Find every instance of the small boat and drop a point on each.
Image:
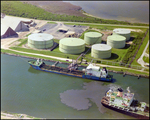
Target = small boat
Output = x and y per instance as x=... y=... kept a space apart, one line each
x=125 y=103
x=91 y=72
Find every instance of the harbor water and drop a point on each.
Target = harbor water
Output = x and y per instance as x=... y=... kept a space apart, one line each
x=132 y=11
x=48 y=95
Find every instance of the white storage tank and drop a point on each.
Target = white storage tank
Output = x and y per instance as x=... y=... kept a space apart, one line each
x=116 y=41
x=72 y=45
x=123 y=32
x=91 y=38
x=40 y=40
x=101 y=51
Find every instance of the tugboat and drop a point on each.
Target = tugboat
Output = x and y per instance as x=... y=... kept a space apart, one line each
x=125 y=103
x=91 y=72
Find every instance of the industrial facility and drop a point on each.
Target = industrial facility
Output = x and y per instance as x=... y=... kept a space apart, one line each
x=101 y=51
x=91 y=38
x=116 y=41
x=122 y=32
x=72 y=45
x=40 y=40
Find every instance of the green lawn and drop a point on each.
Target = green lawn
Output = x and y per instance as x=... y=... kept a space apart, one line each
x=147 y=51
x=106 y=27
x=141 y=49
x=146 y=59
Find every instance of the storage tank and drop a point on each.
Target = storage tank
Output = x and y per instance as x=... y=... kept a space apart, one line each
x=72 y=45
x=40 y=40
x=91 y=38
x=123 y=32
x=116 y=41
x=101 y=51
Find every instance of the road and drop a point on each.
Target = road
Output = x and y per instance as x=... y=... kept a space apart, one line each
x=140 y=60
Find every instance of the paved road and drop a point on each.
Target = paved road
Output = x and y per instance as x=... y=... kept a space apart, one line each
x=140 y=60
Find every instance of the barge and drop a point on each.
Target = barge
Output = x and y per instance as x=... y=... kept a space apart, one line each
x=91 y=72
x=125 y=103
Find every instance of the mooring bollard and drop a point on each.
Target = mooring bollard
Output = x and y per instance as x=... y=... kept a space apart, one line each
x=139 y=76
x=124 y=74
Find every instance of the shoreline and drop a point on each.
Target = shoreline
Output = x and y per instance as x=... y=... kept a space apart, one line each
x=11 y=115
x=118 y=72
x=90 y=15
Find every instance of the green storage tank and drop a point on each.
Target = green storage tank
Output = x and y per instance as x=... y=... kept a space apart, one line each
x=116 y=41
x=122 y=32
x=40 y=40
x=91 y=38
x=101 y=51
x=72 y=45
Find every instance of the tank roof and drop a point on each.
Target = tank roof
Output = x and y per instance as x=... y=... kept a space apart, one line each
x=116 y=38
x=121 y=31
x=101 y=47
x=93 y=34
x=72 y=41
x=40 y=37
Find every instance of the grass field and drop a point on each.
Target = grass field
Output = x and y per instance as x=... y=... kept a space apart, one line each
x=147 y=51
x=146 y=59
x=141 y=49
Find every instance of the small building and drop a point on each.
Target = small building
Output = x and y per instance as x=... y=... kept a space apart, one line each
x=62 y=30
x=70 y=34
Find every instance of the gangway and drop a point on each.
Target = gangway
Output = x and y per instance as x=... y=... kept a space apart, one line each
x=55 y=63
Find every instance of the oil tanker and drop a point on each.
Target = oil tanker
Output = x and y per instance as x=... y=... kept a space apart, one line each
x=125 y=103
x=91 y=72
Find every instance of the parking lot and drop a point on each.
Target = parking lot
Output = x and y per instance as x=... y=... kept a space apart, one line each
x=53 y=29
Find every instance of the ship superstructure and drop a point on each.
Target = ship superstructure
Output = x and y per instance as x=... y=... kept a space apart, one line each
x=124 y=102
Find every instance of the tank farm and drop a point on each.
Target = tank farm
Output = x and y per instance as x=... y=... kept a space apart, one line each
x=71 y=45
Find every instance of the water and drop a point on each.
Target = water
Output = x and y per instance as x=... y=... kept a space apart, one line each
x=47 y=95
x=133 y=11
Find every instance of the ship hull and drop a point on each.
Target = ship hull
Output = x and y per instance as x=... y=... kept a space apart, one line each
x=69 y=74
x=133 y=114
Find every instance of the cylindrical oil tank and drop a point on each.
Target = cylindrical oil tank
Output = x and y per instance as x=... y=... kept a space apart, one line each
x=91 y=38
x=101 y=51
x=72 y=45
x=40 y=40
x=123 y=32
x=116 y=41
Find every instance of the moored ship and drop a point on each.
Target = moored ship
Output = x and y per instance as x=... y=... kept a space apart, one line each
x=91 y=72
x=125 y=103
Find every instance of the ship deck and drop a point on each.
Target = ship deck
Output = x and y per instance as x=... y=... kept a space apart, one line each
x=106 y=100
x=62 y=70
